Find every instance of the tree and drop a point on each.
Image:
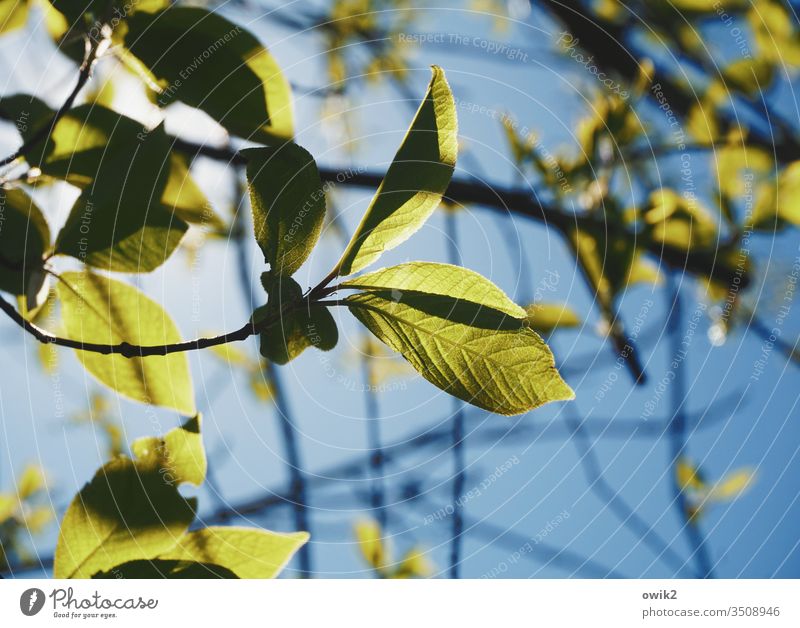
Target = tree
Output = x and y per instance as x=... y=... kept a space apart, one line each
x=627 y=204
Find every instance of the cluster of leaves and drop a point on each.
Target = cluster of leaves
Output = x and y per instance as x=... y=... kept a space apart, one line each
x=137 y=198
x=131 y=521
x=136 y=201
x=353 y=21
x=24 y=512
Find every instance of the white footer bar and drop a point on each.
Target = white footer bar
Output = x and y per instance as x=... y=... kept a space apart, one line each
x=386 y=604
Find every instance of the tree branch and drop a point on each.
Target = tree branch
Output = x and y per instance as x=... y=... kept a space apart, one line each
x=519 y=201
x=93 y=52
x=126 y=349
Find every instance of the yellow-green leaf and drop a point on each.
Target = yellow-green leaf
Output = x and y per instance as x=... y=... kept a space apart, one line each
x=415 y=182
x=119 y=222
x=247 y=552
x=24 y=239
x=297 y=329
x=132 y=509
x=13 y=15
x=288 y=202
x=205 y=61
x=545 y=317
x=442 y=279
x=732 y=485
x=32 y=481
x=476 y=354
x=370 y=543
x=101 y=310
x=680 y=222
x=185 y=199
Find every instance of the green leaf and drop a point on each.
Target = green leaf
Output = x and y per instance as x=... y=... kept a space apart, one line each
x=132 y=509
x=294 y=330
x=414 y=183
x=779 y=199
x=441 y=279
x=102 y=310
x=545 y=317
x=26 y=112
x=205 y=61
x=24 y=239
x=288 y=202
x=13 y=15
x=247 y=552
x=679 y=222
x=183 y=197
x=119 y=222
x=168 y=569
x=82 y=140
x=478 y=354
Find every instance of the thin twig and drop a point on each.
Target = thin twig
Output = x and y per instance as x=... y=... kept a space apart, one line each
x=127 y=349
x=92 y=53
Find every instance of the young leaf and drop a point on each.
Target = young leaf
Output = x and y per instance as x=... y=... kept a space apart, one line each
x=441 y=279
x=119 y=223
x=24 y=239
x=247 y=552
x=99 y=309
x=288 y=202
x=370 y=541
x=679 y=222
x=205 y=61
x=545 y=317
x=297 y=329
x=414 y=183
x=132 y=510
x=475 y=353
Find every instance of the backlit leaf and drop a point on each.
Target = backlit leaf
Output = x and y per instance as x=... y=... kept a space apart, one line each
x=415 y=182
x=545 y=317
x=479 y=355
x=102 y=310
x=24 y=239
x=297 y=329
x=205 y=61
x=370 y=543
x=288 y=202
x=732 y=485
x=442 y=279
x=166 y=569
x=119 y=222
x=132 y=510
x=13 y=15
x=247 y=552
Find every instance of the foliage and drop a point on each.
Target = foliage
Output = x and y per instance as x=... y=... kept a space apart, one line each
x=132 y=521
x=377 y=553
x=135 y=199
x=24 y=512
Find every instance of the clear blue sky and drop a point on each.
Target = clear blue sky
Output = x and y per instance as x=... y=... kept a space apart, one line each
x=542 y=480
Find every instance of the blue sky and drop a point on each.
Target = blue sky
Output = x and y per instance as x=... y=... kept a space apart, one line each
x=542 y=494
